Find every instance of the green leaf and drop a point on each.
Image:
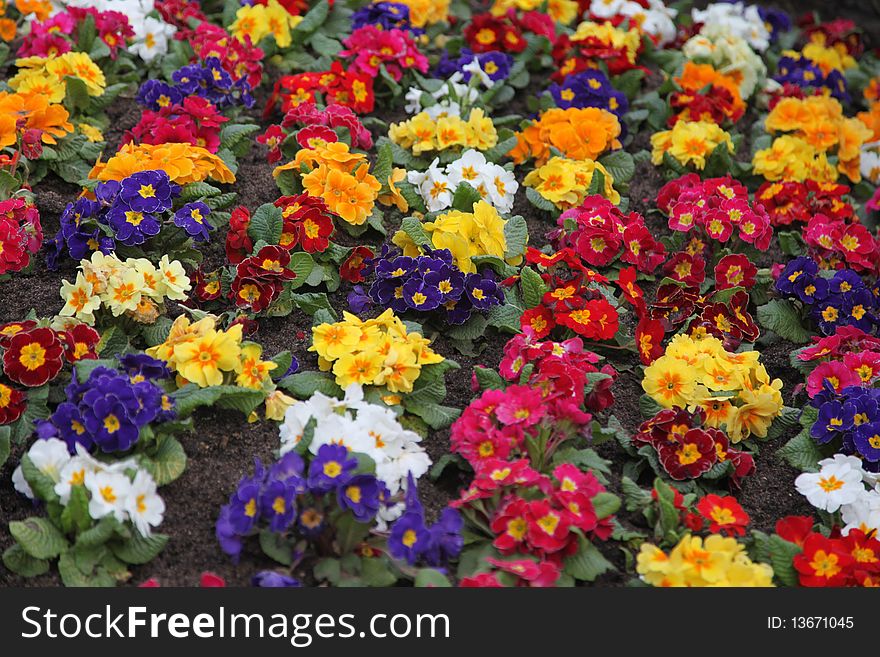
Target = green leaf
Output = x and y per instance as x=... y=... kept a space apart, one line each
x=535 y=198
x=191 y=397
x=72 y=575
x=301 y=264
x=384 y=163
x=435 y=416
x=465 y=197
x=781 y=317
x=328 y=570
x=488 y=378
x=801 y=452
x=635 y=497
x=606 y=504
x=99 y=534
x=587 y=563
x=791 y=243
x=276 y=546
x=620 y=165
x=303 y=385
x=198 y=190
x=38 y=537
x=413 y=227
x=311 y=302
x=21 y=563
x=375 y=572
x=266 y=224
x=139 y=549
x=597 y=183
x=533 y=287
x=5 y=446
x=516 y=235
x=41 y=484
x=782 y=554
x=157 y=332
x=429 y=577
x=75 y=516
x=166 y=462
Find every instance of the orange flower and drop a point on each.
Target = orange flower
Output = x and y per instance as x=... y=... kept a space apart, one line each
x=184 y=163
x=696 y=76
x=39 y=8
x=42 y=115
x=579 y=134
x=393 y=196
x=7 y=29
x=871 y=118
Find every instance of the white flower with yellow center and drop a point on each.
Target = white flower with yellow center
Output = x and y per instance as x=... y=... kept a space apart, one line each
x=108 y=492
x=144 y=506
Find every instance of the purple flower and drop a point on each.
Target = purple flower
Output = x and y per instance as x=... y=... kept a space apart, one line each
x=278 y=505
x=147 y=191
x=71 y=427
x=193 y=218
x=156 y=94
x=132 y=227
x=446 y=538
x=141 y=367
x=270 y=579
x=331 y=467
x=244 y=503
x=360 y=495
x=420 y=296
x=482 y=291
x=385 y=15
x=448 y=281
x=867 y=441
x=409 y=538
x=227 y=535
x=310 y=522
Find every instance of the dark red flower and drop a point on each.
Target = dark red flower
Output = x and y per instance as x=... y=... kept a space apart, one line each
x=12 y=404
x=33 y=357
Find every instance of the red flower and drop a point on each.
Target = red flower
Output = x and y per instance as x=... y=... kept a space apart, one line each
x=481 y=580
x=688 y=456
x=694 y=522
x=686 y=268
x=511 y=525
x=649 y=339
x=305 y=136
x=12 y=404
x=596 y=319
x=34 y=357
x=539 y=320
x=823 y=562
x=207 y=286
x=724 y=514
x=548 y=527
x=540 y=574
x=626 y=281
x=735 y=270
x=10 y=329
x=80 y=343
x=238 y=242
x=352 y=268
x=272 y=139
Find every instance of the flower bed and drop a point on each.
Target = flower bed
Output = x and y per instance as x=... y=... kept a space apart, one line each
x=438 y=293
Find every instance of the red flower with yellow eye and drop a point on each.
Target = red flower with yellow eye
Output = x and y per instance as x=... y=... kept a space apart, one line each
x=33 y=357
x=80 y=343
x=10 y=329
x=626 y=281
x=735 y=270
x=595 y=319
x=207 y=285
x=688 y=456
x=649 y=339
x=12 y=404
x=725 y=515
x=352 y=269
x=688 y=269
x=539 y=320
x=823 y=562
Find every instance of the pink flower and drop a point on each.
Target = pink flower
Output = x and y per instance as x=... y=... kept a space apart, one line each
x=522 y=405
x=836 y=373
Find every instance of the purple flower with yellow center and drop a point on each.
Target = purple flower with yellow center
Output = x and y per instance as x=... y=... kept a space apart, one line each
x=834 y=419
x=132 y=227
x=106 y=192
x=866 y=439
x=71 y=427
x=798 y=274
x=141 y=367
x=156 y=94
x=420 y=296
x=147 y=192
x=331 y=467
x=409 y=538
x=458 y=312
x=244 y=503
x=482 y=291
x=395 y=267
x=448 y=281
x=360 y=495
x=278 y=505
x=193 y=218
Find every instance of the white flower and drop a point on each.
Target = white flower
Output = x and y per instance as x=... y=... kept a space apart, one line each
x=413 y=99
x=108 y=491
x=869 y=163
x=436 y=189
x=468 y=168
x=473 y=67
x=144 y=506
x=836 y=484
x=863 y=514
x=49 y=457
x=502 y=187
x=151 y=38
x=443 y=109
x=606 y=8
x=734 y=18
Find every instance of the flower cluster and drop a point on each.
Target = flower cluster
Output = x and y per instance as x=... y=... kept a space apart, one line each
x=108 y=409
x=790 y=201
x=486 y=67
x=21 y=234
x=600 y=233
x=32 y=118
x=834 y=243
x=133 y=287
x=798 y=70
x=496 y=184
x=688 y=447
x=842 y=300
x=689 y=143
x=241 y=58
x=33 y=354
x=55 y=36
x=590 y=88
x=714 y=561
x=338 y=85
x=361 y=428
x=423 y=134
x=705 y=95
x=308 y=125
x=576 y=133
x=425 y=284
x=716 y=208
x=592 y=42
x=182 y=163
x=728 y=52
x=506 y=33
x=256 y=21
x=121 y=489
x=465 y=235
x=194 y=120
x=733 y=390
x=651 y=17
x=379 y=351
x=567 y=183
x=393 y=50
x=815 y=128
x=49 y=73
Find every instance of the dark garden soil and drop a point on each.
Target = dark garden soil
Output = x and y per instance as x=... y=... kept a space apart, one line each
x=223 y=447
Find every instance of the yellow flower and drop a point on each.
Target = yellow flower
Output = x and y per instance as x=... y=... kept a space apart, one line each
x=757 y=413
x=80 y=300
x=182 y=332
x=253 y=372
x=669 y=382
x=714 y=561
x=92 y=133
x=332 y=341
x=184 y=163
x=78 y=65
x=565 y=182
x=277 y=404
x=361 y=368
x=173 y=283
x=421 y=133
x=203 y=360
x=689 y=142
x=426 y=12
x=124 y=292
